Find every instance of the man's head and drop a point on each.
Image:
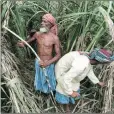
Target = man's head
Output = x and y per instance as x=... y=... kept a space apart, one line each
x=101 y=56
x=48 y=24
x=45 y=26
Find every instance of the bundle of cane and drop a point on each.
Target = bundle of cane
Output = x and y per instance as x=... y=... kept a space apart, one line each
x=22 y=100
x=108 y=97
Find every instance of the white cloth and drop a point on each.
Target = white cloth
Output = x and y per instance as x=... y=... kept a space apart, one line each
x=70 y=70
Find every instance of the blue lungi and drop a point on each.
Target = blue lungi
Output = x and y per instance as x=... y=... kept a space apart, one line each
x=63 y=99
x=40 y=82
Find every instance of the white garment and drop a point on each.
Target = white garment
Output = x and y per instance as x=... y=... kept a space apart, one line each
x=70 y=70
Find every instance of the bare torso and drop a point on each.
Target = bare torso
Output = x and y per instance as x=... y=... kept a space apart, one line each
x=45 y=43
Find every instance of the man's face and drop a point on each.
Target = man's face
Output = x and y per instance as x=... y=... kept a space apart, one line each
x=45 y=26
x=46 y=23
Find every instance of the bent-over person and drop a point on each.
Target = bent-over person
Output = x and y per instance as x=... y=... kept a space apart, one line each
x=72 y=68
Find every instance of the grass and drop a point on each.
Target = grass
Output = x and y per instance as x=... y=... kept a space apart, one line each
x=83 y=25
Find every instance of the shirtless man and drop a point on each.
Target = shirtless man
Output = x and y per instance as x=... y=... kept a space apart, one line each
x=47 y=41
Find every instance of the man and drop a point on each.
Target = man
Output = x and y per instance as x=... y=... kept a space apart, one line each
x=47 y=41
x=74 y=67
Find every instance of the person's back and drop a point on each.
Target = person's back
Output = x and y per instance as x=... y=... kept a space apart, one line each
x=69 y=60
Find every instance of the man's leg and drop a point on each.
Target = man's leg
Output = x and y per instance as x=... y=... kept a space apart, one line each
x=67 y=108
x=63 y=100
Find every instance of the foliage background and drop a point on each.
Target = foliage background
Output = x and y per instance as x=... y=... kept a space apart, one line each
x=83 y=25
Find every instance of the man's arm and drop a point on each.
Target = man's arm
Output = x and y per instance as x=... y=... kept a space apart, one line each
x=57 y=51
x=93 y=78
x=22 y=44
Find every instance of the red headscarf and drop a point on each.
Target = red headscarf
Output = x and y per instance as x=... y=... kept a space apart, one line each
x=52 y=20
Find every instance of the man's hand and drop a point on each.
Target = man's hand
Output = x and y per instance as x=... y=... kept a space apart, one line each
x=43 y=63
x=75 y=94
x=21 y=44
x=101 y=84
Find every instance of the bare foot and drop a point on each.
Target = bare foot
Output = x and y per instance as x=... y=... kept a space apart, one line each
x=68 y=112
